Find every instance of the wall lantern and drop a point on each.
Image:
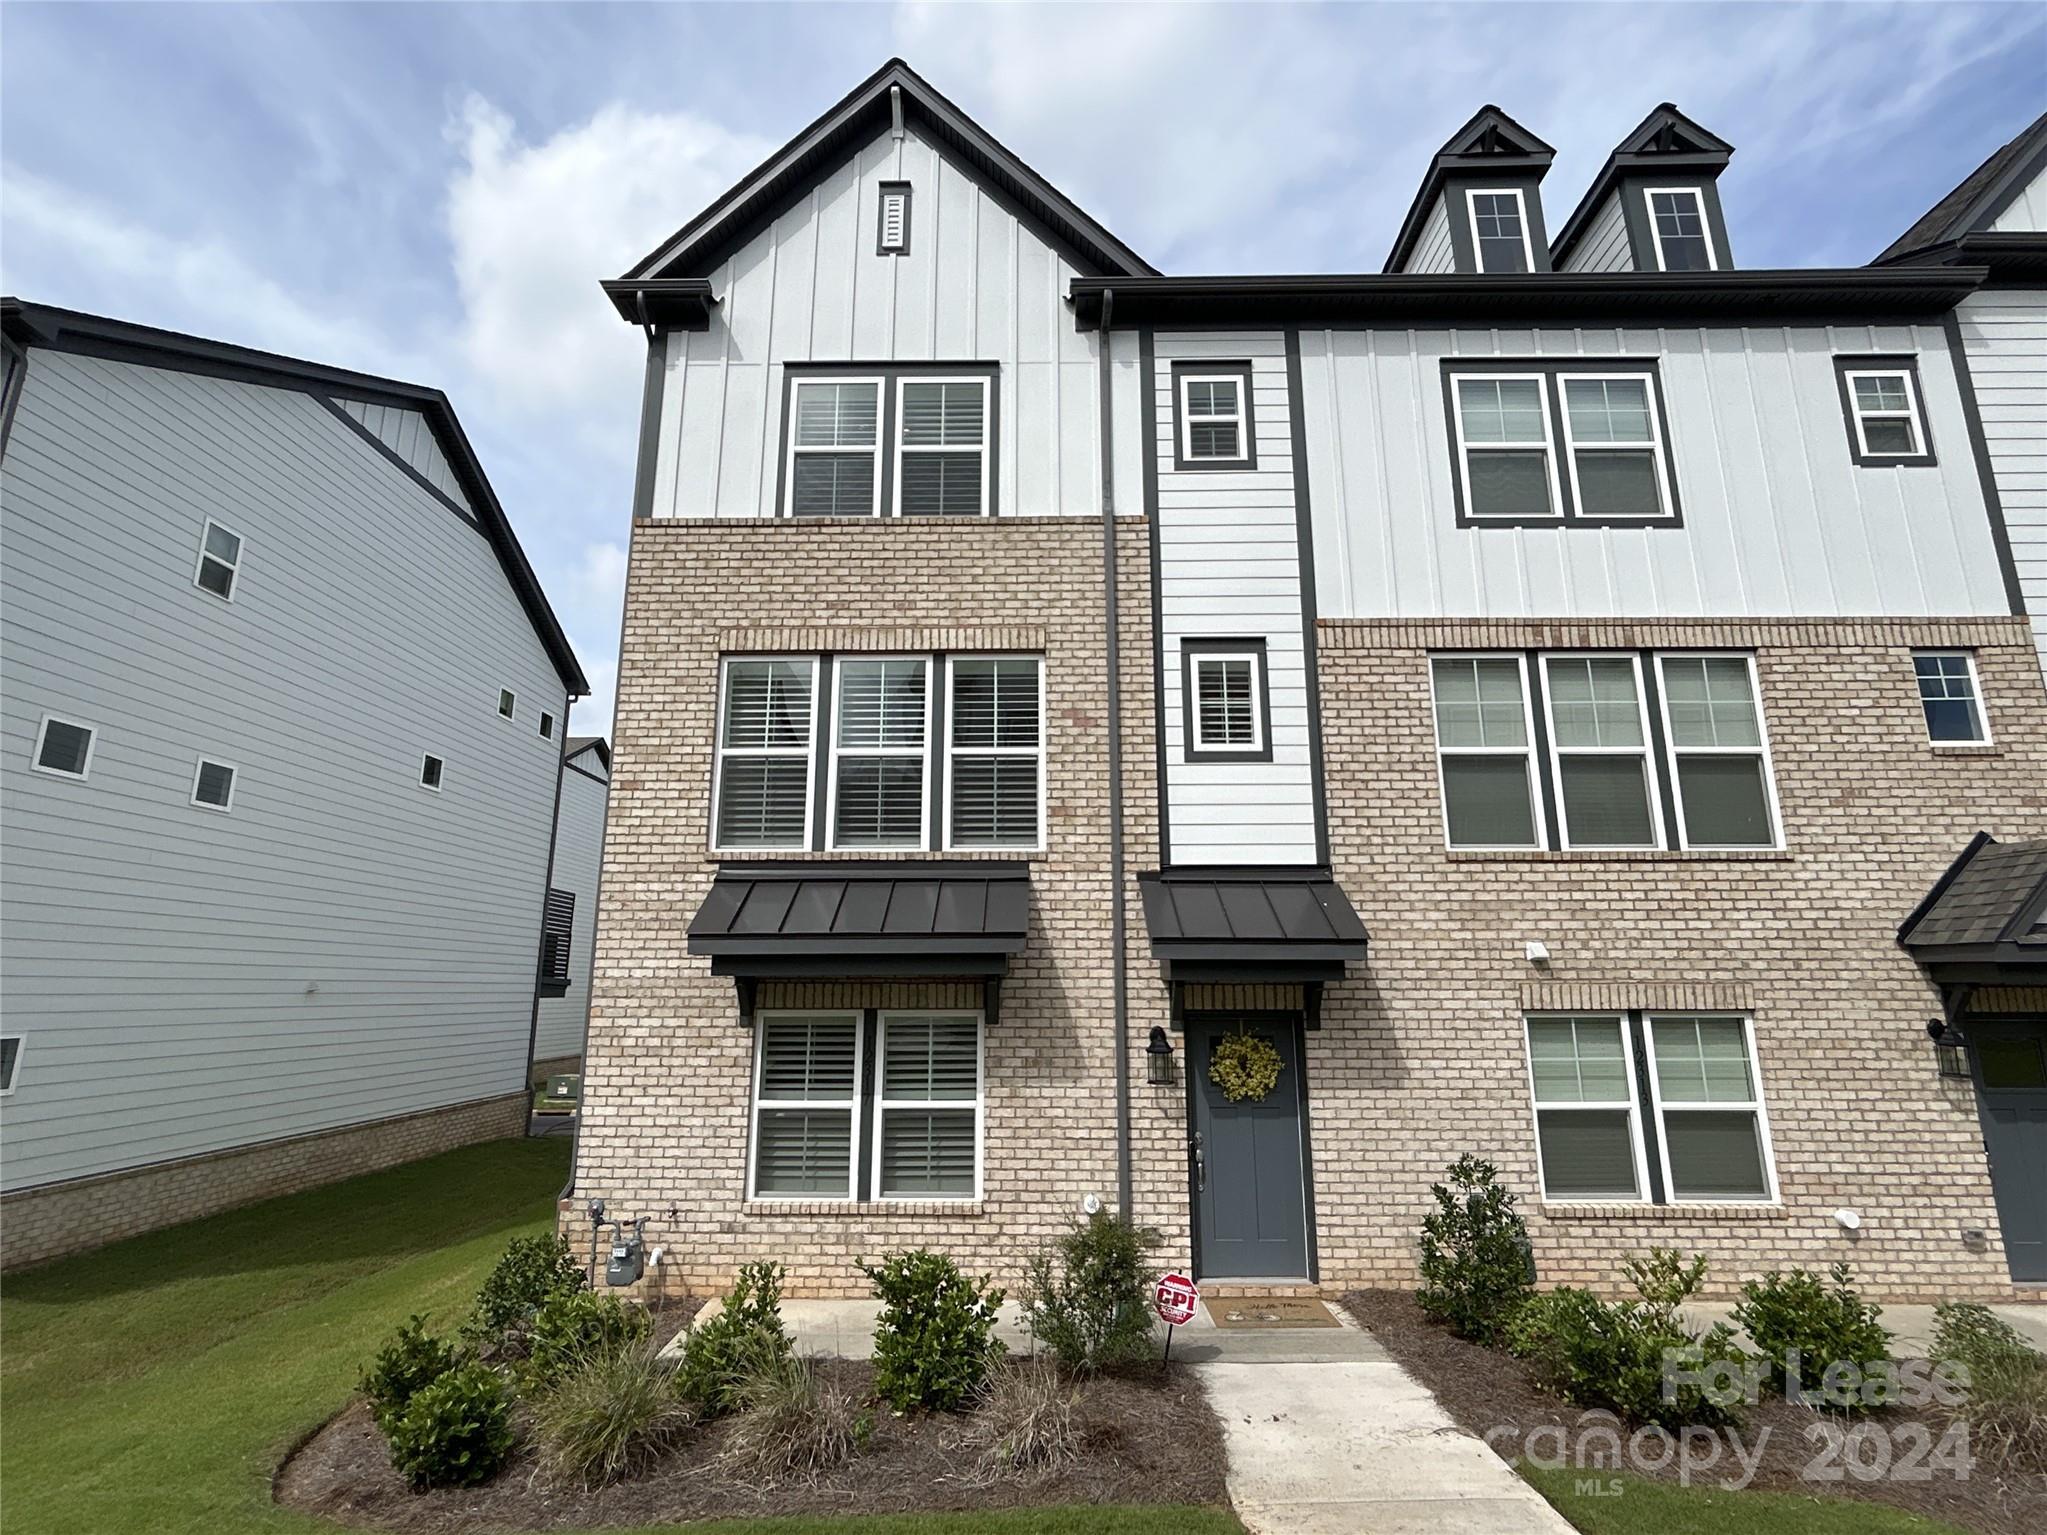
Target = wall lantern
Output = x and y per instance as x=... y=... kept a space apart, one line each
x=1950 y=1049
x=1158 y=1059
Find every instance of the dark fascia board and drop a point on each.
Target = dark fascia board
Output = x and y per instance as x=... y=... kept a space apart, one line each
x=1192 y=968
x=846 y=965
x=68 y=330
x=864 y=110
x=595 y=744
x=1707 y=161
x=874 y=869
x=2018 y=258
x=1977 y=843
x=1462 y=299
x=665 y=303
x=1531 y=155
x=2023 y=157
x=828 y=945
x=1223 y=951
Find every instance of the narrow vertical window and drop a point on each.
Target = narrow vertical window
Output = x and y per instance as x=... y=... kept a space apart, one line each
x=879 y=734
x=942 y=454
x=893 y=238
x=557 y=933
x=834 y=448
x=1499 y=232
x=64 y=748
x=430 y=770
x=1599 y=743
x=220 y=561
x=995 y=760
x=928 y=1116
x=1719 y=757
x=1949 y=697
x=1615 y=447
x=213 y=785
x=1677 y=223
x=1503 y=446
x=1886 y=418
x=1709 y=1108
x=764 y=753
x=806 y=1103
x=1483 y=752
x=10 y=1061
x=1214 y=418
x=1226 y=703
x=1587 y=1138
x=547 y=726
x=508 y=703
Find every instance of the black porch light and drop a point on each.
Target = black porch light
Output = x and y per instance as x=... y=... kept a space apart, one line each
x=1158 y=1059
x=1950 y=1049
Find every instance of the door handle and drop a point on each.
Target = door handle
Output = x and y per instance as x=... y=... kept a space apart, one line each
x=1200 y=1163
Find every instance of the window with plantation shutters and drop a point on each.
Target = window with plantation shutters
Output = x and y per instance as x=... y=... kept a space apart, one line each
x=1226 y=703
x=806 y=1105
x=880 y=734
x=942 y=447
x=1215 y=418
x=764 y=753
x=928 y=1114
x=834 y=465
x=996 y=752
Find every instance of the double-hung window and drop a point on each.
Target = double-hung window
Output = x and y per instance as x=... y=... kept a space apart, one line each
x=927 y=1132
x=1507 y=418
x=1886 y=418
x=942 y=447
x=1712 y=1131
x=1214 y=416
x=995 y=759
x=806 y=1105
x=834 y=467
x=1599 y=750
x=764 y=753
x=1484 y=751
x=1719 y=754
x=1613 y=444
x=890 y=438
x=1504 y=449
x=1949 y=697
x=880 y=733
x=1587 y=1136
x=220 y=560
x=1677 y=226
x=1499 y=231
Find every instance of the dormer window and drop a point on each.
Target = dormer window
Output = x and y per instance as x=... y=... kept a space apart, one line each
x=1499 y=231
x=1677 y=224
x=894 y=237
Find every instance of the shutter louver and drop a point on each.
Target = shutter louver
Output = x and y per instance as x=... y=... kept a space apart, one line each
x=809 y=1073
x=837 y=430
x=557 y=926
x=879 y=801
x=894 y=237
x=943 y=435
x=764 y=773
x=929 y=1152
x=996 y=740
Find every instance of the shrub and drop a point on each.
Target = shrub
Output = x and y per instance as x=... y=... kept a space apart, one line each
x=1976 y=1338
x=1826 y=1324
x=1030 y=1420
x=1086 y=1298
x=2007 y=1386
x=746 y=1330
x=457 y=1431
x=532 y=1271
x=935 y=1338
x=576 y=1326
x=1476 y=1268
x=612 y=1416
x=795 y=1418
x=413 y=1359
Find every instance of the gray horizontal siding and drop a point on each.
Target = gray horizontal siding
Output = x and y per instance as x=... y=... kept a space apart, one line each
x=2004 y=335
x=1604 y=245
x=406 y=433
x=1433 y=251
x=578 y=851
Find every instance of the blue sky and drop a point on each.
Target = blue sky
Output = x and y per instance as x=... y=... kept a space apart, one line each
x=433 y=191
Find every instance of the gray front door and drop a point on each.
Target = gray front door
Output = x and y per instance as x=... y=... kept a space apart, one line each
x=2011 y=1084
x=1250 y=1195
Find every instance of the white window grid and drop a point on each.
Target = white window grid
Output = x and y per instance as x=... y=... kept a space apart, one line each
x=234 y=783
x=1526 y=752
x=1637 y=1155
x=92 y=744
x=1240 y=385
x=1248 y=659
x=1652 y=782
x=1755 y=1103
x=1649 y=196
x=1762 y=749
x=1909 y=413
x=883 y=1104
x=921 y=752
x=808 y=750
x=980 y=382
x=233 y=566
x=796 y=450
x=1471 y=198
x=952 y=751
x=1466 y=448
x=1974 y=695
x=1653 y=444
x=762 y=1020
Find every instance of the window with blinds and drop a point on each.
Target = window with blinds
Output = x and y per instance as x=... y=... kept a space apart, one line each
x=1709 y=1109
x=1226 y=703
x=928 y=1130
x=1585 y=1127
x=1722 y=769
x=996 y=743
x=942 y=448
x=764 y=753
x=1599 y=748
x=835 y=447
x=1214 y=418
x=879 y=756
x=806 y=1105
x=1484 y=751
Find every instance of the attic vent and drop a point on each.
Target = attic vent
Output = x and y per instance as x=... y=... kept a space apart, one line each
x=894 y=239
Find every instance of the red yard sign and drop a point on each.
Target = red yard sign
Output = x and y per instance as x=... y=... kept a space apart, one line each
x=1175 y=1299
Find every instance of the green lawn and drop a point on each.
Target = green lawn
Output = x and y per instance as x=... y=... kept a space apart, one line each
x=1643 y=1507
x=152 y=1387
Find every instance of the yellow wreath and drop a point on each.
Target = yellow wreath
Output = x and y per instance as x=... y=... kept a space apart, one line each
x=1244 y=1066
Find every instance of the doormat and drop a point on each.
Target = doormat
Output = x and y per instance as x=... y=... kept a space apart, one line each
x=1252 y=1311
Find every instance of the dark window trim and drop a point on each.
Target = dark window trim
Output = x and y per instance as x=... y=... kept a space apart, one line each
x=1190 y=651
x=885 y=445
x=1239 y=369
x=881 y=245
x=1550 y=370
x=1633 y=192
x=1846 y=363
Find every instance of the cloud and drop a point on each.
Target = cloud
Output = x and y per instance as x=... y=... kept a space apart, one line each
x=600 y=579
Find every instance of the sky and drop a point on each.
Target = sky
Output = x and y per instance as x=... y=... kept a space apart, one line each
x=431 y=192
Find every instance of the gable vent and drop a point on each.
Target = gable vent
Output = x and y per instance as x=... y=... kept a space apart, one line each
x=894 y=239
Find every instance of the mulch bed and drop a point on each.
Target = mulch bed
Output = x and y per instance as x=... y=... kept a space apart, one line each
x=910 y=1465
x=1490 y=1393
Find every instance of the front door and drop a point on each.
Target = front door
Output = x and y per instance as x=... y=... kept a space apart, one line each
x=1250 y=1192
x=2011 y=1083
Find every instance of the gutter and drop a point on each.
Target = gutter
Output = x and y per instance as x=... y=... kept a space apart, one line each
x=1119 y=968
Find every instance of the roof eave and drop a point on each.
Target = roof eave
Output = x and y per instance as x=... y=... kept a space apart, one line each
x=666 y=303
x=1618 y=166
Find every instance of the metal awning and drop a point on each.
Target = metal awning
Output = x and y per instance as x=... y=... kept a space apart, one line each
x=1985 y=920
x=1256 y=924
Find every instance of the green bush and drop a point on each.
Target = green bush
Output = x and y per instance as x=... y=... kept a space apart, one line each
x=2007 y=1409
x=532 y=1272
x=413 y=1359
x=612 y=1416
x=1976 y=1338
x=575 y=1326
x=1828 y=1326
x=1476 y=1268
x=935 y=1338
x=1087 y=1299
x=796 y=1416
x=456 y=1432
x=745 y=1334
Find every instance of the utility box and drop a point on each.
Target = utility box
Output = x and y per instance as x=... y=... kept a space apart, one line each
x=628 y=1258
x=563 y=1095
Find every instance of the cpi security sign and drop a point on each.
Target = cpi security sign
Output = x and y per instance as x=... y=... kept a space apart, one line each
x=1175 y=1298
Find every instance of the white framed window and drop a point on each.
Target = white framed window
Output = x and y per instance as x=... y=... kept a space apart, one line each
x=834 y=467
x=213 y=785
x=1485 y=757
x=1950 y=698
x=941 y=446
x=806 y=1105
x=1886 y=417
x=1505 y=452
x=1677 y=226
x=1499 y=230
x=995 y=752
x=220 y=560
x=928 y=1110
x=1720 y=751
x=64 y=747
x=546 y=726
x=1228 y=712
x=1599 y=751
x=10 y=1061
x=880 y=758
x=431 y=771
x=762 y=786
x=1213 y=418
x=1614 y=445
x=1588 y=1136
x=508 y=703
x=1712 y=1131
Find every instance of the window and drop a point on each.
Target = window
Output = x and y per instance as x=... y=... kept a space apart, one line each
x=213 y=785
x=1483 y=751
x=893 y=237
x=1499 y=232
x=547 y=726
x=1886 y=424
x=557 y=931
x=834 y=445
x=881 y=720
x=64 y=747
x=927 y=1134
x=2009 y=1064
x=10 y=1061
x=1949 y=697
x=1505 y=418
x=1599 y=751
x=220 y=561
x=430 y=772
x=1213 y=406
x=1225 y=706
x=1677 y=226
x=764 y=753
x=1503 y=446
x=1719 y=754
x=508 y=703
x=1587 y=1140
x=806 y=1096
x=995 y=762
x=1713 y=1137
x=1611 y=435
x=942 y=447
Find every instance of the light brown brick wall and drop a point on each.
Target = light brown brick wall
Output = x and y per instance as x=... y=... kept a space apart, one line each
x=37 y=1225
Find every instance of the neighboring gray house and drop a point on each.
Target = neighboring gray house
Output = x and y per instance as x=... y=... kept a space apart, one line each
x=578 y=851
x=283 y=721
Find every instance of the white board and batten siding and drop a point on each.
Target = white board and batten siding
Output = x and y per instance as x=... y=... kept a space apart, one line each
x=1229 y=568
x=578 y=853
x=342 y=945
x=2026 y=213
x=1604 y=245
x=1777 y=519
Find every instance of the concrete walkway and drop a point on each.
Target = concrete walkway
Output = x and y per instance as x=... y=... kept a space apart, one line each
x=1911 y=1327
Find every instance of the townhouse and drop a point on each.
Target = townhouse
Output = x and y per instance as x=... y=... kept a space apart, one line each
x=1509 y=702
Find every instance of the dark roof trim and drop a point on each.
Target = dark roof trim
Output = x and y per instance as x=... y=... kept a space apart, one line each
x=2018 y=258
x=1665 y=140
x=1984 y=911
x=669 y=303
x=864 y=111
x=577 y=745
x=1490 y=141
x=1209 y=921
x=1466 y=299
x=1947 y=878
x=66 y=330
x=1980 y=196
x=848 y=917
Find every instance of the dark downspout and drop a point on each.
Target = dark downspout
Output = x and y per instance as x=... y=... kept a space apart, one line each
x=1124 y=1203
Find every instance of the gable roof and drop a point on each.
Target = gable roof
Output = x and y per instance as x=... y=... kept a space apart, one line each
x=1489 y=140
x=1983 y=194
x=1990 y=905
x=577 y=745
x=1664 y=140
x=869 y=108
x=67 y=330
